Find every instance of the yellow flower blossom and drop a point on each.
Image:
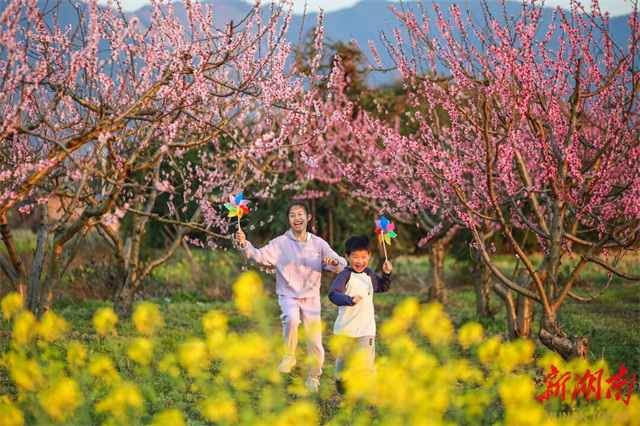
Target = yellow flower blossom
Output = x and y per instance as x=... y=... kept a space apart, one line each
x=26 y=373
x=101 y=366
x=11 y=304
x=61 y=398
x=147 y=318
x=122 y=398
x=169 y=365
x=215 y=322
x=516 y=390
x=220 y=409
x=169 y=418
x=549 y=359
x=24 y=328
x=141 y=351
x=519 y=351
x=470 y=334
x=489 y=350
x=76 y=355
x=51 y=327
x=104 y=321
x=248 y=292
x=435 y=324
x=530 y=413
x=302 y=413
x=9 y=413
x=193 y=357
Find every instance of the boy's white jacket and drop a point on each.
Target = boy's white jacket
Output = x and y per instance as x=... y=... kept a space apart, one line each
x=357 y=320
x=298 y=264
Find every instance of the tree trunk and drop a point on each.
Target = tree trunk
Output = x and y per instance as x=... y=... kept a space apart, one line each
x=481 y=276
x=505 y=294
x=437 y=291
x=524 y=307
x=569 y=347
x=519 y=315
x=124 y=302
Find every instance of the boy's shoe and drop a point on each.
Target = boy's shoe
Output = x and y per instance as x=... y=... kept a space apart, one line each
x=287 y=364
x=313 y=384
x=340 y=386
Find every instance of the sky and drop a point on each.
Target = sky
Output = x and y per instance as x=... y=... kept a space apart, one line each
x=615 y=7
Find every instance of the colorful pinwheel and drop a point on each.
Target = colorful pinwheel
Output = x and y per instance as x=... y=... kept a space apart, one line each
x=237 y=206
x=384 y=229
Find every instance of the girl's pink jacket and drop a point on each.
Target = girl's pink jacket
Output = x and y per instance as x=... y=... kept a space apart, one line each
x=298 y=265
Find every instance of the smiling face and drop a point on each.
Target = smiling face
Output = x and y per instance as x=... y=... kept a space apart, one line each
x=298 y=219
x=358 y=259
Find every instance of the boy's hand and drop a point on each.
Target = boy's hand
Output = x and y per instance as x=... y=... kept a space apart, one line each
x=387 y=267
x=241 y=239
x=356 y=299
x=327 y=260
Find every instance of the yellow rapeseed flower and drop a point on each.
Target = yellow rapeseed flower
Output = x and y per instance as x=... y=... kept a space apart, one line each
x=147 y=318
x=61 y=398
x=514 y=353
x=76 y=355
x=489 y=350
x=169 y=418
x=141 y=351
x=470 y=334
x=11 y=304
x=9 y=413
x=122 y=398
x=301 y=413
x=435 y=325
x=248 y=292
x=549 y=359
x=104 y=320
x=169 y=365
x=516 y=390
x=26 y=372
x=51 y=327
x=24 y=328
x=101 y=366
x=193 y=357
x=215 y=322
x=220 y=409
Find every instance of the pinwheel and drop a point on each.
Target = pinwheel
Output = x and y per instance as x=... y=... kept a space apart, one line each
x=384 y=229
x=237 y=207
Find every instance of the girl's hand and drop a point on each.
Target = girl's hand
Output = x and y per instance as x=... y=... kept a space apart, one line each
x=356 y=299
x=330 y=261
x=387 y=267
x=241 y=239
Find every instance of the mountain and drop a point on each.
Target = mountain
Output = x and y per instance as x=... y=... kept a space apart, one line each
x=365 y=20
x=362 y=22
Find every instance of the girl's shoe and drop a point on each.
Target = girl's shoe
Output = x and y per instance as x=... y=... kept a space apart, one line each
x=287 y=364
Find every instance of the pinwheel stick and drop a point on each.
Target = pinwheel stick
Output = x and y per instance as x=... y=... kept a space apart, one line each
x=239 y=228
x=384 y=247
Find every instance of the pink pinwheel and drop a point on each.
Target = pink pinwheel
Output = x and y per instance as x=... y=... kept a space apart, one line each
x=237 y=207
x=384 y=229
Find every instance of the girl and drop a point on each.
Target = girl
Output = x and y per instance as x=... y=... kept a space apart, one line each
x=299 y=257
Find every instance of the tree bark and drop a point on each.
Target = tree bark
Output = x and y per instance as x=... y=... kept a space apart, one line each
x=505 y=294
x=437 y=291
x=481 y=276
x=568 y=347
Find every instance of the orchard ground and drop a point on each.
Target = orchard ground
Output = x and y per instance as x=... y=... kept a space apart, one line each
x=184 y=294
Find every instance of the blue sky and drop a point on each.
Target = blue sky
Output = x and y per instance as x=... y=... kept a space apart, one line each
x=615 y=7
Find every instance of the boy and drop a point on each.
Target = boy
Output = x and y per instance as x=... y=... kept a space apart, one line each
x=353 y=291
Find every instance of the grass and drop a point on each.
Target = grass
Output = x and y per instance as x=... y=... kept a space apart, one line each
x=610 y=322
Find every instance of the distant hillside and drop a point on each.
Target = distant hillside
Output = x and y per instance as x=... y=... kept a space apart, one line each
x=362 y=22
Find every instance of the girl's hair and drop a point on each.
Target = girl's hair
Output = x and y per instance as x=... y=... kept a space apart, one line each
x=298 y=203
x=306 y=209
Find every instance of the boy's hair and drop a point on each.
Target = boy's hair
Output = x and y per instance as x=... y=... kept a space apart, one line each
x=357 y=242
